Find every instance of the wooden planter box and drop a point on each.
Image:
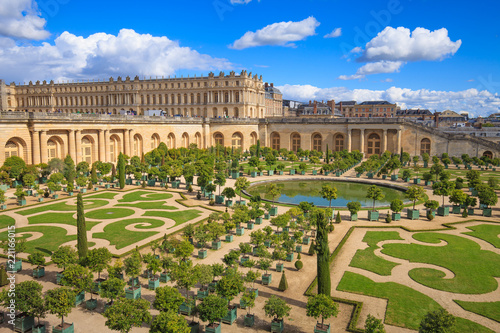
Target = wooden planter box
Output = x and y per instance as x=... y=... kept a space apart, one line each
x=266 y=216
x=39 y=272
x=267 y=243
x=289 y=257
x=373 y=215
x=67 y=328
x=277 y=326
x=240 y=231
x=231 y=316
x=23 y=202
x=249 y=320
x=267 y=279
x=279 y=268
x=38 y=329
x=133 y=281
x=219 y=199
x=322 y=328
x=306 y=240
x=250 y=225
x=202 y=254
x=273 y=211
x=443 y=211
x=18 y=266
x=456 y=209
x=216 y=245
x=216 y=328
x=201 y=294
x=153 y=283
x=292 y=171
x=79 y=298
x=133 y=292
x=186 y=309
x=195 y=327
x=416 y=181
x=270 y=172
x=394 y=177
x=23 y=323
x=413 y=214
x=229 y=203
x=258 y=220
x=91 y=304
x=396 y=216
x=298 y=248
x=487 y=212
x=176 y=184
x=229 y=238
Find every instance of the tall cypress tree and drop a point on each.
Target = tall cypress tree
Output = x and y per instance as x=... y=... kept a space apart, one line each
x=121 y=170
x=258 y=149
x=323 y=252
x=81 y=228
x=327 y=156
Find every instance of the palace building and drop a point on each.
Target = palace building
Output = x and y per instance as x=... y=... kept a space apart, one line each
x=83 y=119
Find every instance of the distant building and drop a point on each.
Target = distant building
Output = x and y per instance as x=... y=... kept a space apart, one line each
x=421 y=116
x=319 y=109
x=291 y=107
x=450 y=118
x=274 y=101
x=367 y=109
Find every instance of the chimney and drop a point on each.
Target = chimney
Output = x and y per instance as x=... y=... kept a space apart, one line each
x=315 y=107
x=342 y=111
x=272 y=84
x=310 y=102
x=267 y=85
x=436 y=119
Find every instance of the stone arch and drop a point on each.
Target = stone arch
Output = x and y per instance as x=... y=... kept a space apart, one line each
x=55 y=147
x=16 y=146
x=171 y=140
x=295 y=141
x=218 y=139
x=197 y=140
x=317 y=142
x=253 y=138
x=185 y=140
x=114 y=147
x=374 y=144
x=137 y=145
x=155 y=141
x=237 y=140
x=339 y=142
x=425 y=146
x=275 y=141
x=88 y=147
x=488 y=154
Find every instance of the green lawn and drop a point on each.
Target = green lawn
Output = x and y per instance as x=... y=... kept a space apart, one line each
x=117 y=235
x=149 y=205
x=406 y=307
x=487 y=232
x=103 y=195
x=475 y=269
x=61 y=218
x=5 y=221
x=52 y=239
x=64 y=207
x=179 y=217
x=366 y=259
x=109 y=213
x=145 y=196
x=487 y=309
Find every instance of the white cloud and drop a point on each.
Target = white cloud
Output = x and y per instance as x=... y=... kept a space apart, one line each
x=373 y=68
x=240 y=2
x=478 y=102
x=20 y=19
x=337 y=32
x=402 y=45
x=102 y=55
x=280 y=34
x=351 y=77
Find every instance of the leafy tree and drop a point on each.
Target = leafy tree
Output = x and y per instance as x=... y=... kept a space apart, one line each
x=37 y=259
x=220 y=179
x=415 y=193
x=133 y=265
x=274 y=191
x=169 y=322
x=436 y=170
x=375 y=193
x=64 y=256
x=354 y=207
x=15 y=166
x=27 y=298
x=168 y=299
x=458 y=197
x=439 y=321
x=112 y=288
x=283 y=283
x=241 y=184
x=81 y=228
x=397 y=205
x=185 y=275
x=322 y=306
x=98 y=259
x=487 y=196
x=60 y=301
x=78 y=277
x=277 y=308
x=230 y=285
x=329 y=193
x=212 y=309
x=127 y=313
x=121 y=170
x=443 y=188
x=280 y=221
x=374 y=325
x=184 y=250
x=323 y=251
x=205 y=274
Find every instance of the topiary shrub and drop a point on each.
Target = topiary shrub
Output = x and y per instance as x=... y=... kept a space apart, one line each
x=190 y=188
x=338 y=219
x=465 y=213
x=3 y=276
x=430 y=217
x=143 y=184
x=312 y=249
x=299 y=264
x=166 y=186
x=332 y=227
x=198 y=195
x=283 y=283
x=211 y=202
x=388 y=218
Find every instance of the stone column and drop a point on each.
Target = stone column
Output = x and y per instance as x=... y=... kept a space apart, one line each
x=132 y=143
x=126 y=140
x=102 y=153
x=349 y=144
x=399 y=141
x=384 y=138
x=362 y=140
x=71 y=144
x=78 y=145
x=36 y=147
x=106 y=145
x=43 y=147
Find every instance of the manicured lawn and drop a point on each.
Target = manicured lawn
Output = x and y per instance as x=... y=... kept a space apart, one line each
x=63 y=207
x=52 y=239
x=179 y=217
x=406 y=307
x=117 y=235
x=475 y=269
x=149 y=205
x=145 y=196
x=109 y=213
x=487 y=309
x=5 y=221
x=103 y=195
x=487 y=232
x=366 y=259
x=61 y=218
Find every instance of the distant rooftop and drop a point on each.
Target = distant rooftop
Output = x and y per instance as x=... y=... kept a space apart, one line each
x=375 y=103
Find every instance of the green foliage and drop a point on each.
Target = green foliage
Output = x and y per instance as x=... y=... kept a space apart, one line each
x=415 y=193
x=27 y=298
x=431 y=204
x=439 y=321
x=338 y=219
x=230 y=285
x=329 y=193
x=133 y=265
x=312 y=248
x=169 y=322
x=354 y=207
x=127 y=313
x=443 y=188
x=64 y=256
x=283 y=283
x=374 y=325
x=167 y=299
x=212 y=308
x=322 y=306
x=397 y=205
x=375 y=193
x=112 y=288
x=81 y=228
x=78 y=277
x=323 y=251
x=299 y=265
x=60 y=301
x=121 y=170
x=185 y=275
x=277 y=308
x=98 y=259
x=37 y=259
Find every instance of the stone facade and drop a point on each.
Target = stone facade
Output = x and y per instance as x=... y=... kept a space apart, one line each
x=368 y=109
x=37 y=136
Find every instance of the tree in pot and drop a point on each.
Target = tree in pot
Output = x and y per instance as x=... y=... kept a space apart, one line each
x=375 y=193
x=81 y=228
x=277 y=309
x=37 y=259
x=60 y=301
x=457 y=197
x=228 y=287
x=220 y=180
x=443 y=188
x=169 y=322
x=127 y=313
x=414 y=193
x=81 y=279
x=212 y=309
x=354 y=207
x=133 y=265
x=168 y=299
x=487 y=197
x=205 y=276
x=274 y=191
x=241 y=184
x=64 y=256
x=406 y=175
x=322 y=306
x=112 y=288
x=323 y=251
x=329 y=193
x=396 y=207
x=20 y=194
x=431 y=205
x=97 y=260
x=185 y=276
x=229 y=193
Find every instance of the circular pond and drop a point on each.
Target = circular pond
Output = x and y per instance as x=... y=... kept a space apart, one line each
x=294 y=192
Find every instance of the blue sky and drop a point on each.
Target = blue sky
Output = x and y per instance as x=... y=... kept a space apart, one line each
x=419 y=53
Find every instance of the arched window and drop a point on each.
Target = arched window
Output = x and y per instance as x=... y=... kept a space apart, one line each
x=339 y=142
x=137 y=145
x=275 y=141
x=185 y=140
x=425 y=146
x=236 y=141
x=197 y=139
x=171 y=140
x=373 y=144
x=317 y=141
x=13 y=149
x=253 y=138
x=155 y=141
x=114 y=148
x=87 y=150
x=488 y=154
x=219 y=139
x=295 y=142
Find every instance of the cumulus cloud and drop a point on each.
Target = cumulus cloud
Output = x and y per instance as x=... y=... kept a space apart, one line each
x=103 y=55
x=280 y=34
x=20 y=19
x=393 y=47
x=478 y=102
x=240 y=2
x=337 y=32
